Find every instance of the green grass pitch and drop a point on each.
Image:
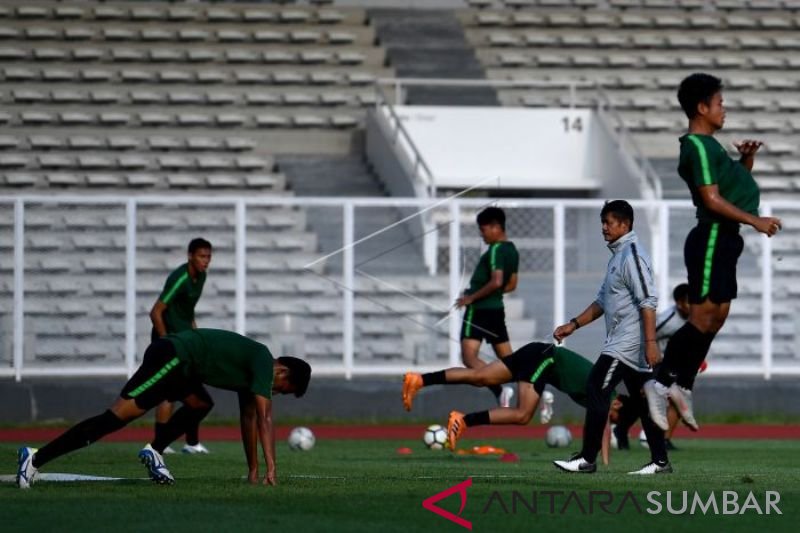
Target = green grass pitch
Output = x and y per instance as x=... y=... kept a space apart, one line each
x=364 y=485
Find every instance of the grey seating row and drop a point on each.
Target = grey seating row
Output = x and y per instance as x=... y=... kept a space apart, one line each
x=634 y=19
x=181 y=13
x=277 y=118
x=145 y=180
x=284 y=96
x=127 y=142
x=297 y=75
x=234 y=34
x=191 y=54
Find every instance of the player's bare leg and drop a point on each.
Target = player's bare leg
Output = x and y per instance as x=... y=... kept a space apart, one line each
x=488 y=375
x=502 y=350
x=163 y=414
x=522 y=414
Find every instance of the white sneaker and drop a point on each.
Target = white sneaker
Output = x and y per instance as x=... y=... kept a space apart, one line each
x=169 y=450
x=576 y=464
x=657 y=402
x=197 y=448
x=682 y=398
x=546 y=410
x=26 y=472
x=652 y=468
x=156 y=468
x=506 y=395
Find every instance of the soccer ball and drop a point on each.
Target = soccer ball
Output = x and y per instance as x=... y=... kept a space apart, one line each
x=301 y=439
x=435 y=437
x=558 y=437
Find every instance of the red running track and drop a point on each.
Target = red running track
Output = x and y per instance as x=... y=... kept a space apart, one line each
x=231 y=433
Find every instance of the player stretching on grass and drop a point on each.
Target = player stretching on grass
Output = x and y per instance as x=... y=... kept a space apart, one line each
x=628 y=301
x=534 y=365
x=726 y=196
x=484 y=315
x=174 y=312
x=175 y=368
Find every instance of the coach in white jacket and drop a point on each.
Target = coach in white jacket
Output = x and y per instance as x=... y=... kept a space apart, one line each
x=628 y=301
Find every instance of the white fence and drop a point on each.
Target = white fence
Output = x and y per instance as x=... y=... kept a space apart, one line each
x=561 y=248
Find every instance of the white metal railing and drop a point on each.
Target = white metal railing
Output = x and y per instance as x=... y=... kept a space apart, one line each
x=419 y=169
x=761 y=364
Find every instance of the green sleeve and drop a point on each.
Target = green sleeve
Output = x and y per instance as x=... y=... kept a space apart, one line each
x=503 y=257
x=175 y=282
x=699 y=158
x=262 y=375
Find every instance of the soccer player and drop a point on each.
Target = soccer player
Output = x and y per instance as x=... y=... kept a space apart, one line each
x=726 y=195
x=174 y=312
x=534 y=365
x=484 y=315
x=627 y=299
x=667 y=323
x=174 y=368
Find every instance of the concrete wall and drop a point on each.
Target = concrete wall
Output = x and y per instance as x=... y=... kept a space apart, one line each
x=71 y=400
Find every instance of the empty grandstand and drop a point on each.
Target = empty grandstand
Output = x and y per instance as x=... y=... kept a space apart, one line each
x=130 y=127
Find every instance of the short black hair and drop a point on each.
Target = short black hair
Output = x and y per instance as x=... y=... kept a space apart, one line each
x=492 y=215
x=697 y=88
x=299 y=373
x=680 y=292
x=621 y=210
x=198 y=244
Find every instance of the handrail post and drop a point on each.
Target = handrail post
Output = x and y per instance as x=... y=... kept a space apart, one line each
x=766 y=299
x=19 y=287
x=348 y=280
x=130 y=286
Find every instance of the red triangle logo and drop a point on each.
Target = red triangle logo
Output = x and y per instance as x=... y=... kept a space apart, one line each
x=461 y=489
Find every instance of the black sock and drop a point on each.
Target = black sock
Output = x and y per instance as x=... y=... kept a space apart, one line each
x=159 y=430
x=78 y=436
x=178 y=423
x=694 y=359
x=687 y=340
x=193 y=434
x=497 y=390
x=480 y=418
x=433 y=378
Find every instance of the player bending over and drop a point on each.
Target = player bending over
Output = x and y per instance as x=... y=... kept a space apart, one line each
x=534 y=365
x=174 y=368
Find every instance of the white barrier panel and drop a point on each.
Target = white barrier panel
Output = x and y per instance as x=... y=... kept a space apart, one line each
x=523 y=148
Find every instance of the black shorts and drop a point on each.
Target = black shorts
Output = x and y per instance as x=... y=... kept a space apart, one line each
x=710 y=253
x=533 y=363
x=489 y=324
x=160 y=377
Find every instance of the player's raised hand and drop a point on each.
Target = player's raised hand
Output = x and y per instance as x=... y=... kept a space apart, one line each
x=748 y=147
x=768 y=225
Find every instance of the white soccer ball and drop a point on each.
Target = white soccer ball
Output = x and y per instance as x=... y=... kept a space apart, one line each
x=301 y=439
x=558 y=437
x=435 y=437
x=643 y=440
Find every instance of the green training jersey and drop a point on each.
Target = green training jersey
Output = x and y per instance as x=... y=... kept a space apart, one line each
x=180 y=295
x=570 y=374
x=225 y=359
x=500 y=256
x=704 y=161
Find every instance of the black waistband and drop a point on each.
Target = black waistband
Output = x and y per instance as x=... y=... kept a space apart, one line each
x=726 y=226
